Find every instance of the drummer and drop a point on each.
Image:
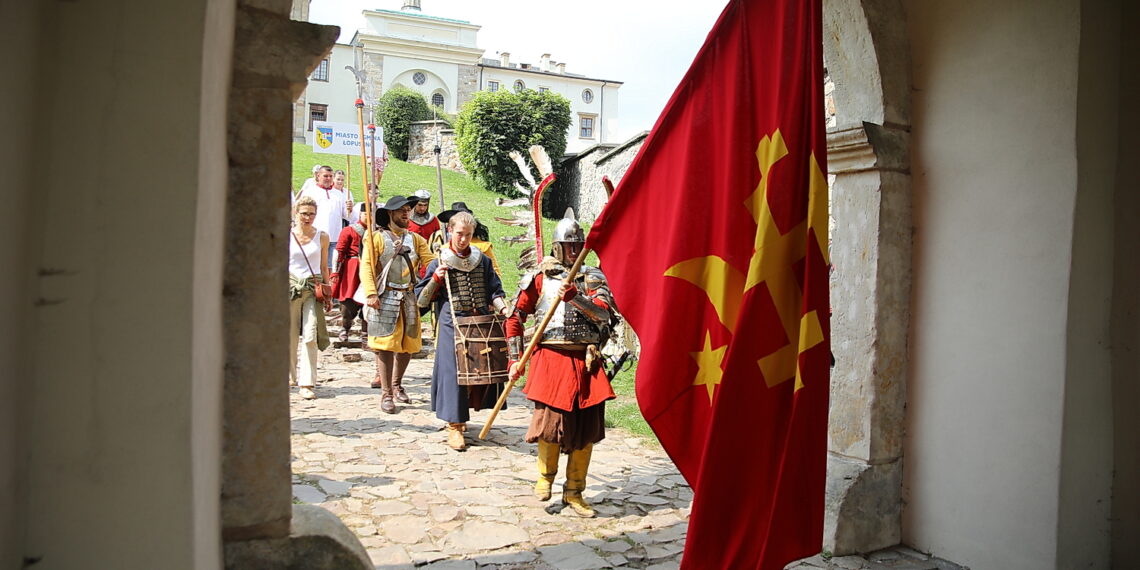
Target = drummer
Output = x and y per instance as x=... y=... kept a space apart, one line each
x=464 y=274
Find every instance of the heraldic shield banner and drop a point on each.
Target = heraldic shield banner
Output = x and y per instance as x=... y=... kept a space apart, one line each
x=715 y=245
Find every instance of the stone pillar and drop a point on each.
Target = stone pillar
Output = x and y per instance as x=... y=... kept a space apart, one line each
x=870 y=294
x=273 y=57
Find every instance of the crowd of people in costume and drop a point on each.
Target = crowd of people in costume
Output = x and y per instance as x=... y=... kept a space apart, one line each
x=411 y=263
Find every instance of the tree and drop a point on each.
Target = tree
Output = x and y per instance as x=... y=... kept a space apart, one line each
x=398 y=107
x=493 y=124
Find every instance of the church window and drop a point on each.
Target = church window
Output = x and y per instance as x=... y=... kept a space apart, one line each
x=587 y=96
x=519 y=85
x=419 y=78
x=321 y=73
x=586 y=127
x=543 y=89
x=492 y=86
x=317 y=113
x=437 y=99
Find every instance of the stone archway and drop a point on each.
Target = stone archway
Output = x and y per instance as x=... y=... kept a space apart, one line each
x=866 y=47
x=272 y=58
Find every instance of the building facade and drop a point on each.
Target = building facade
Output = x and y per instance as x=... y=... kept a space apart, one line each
x=440 y=59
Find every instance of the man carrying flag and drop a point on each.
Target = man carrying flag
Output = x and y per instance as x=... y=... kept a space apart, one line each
x=736 y=390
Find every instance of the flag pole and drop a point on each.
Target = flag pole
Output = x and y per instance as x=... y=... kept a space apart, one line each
x=530 y=348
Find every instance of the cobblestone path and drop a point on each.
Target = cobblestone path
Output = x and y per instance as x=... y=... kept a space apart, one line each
x=414 y=501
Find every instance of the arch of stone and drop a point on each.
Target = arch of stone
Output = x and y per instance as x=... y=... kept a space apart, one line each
x=866 y=49
x=117 y=452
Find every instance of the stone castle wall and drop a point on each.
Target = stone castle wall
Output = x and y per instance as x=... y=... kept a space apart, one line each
x=421 y=145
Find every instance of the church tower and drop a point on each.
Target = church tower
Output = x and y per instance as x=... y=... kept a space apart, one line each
x=411 y=5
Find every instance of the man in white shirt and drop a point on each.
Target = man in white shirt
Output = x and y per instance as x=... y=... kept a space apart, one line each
x=330 y=206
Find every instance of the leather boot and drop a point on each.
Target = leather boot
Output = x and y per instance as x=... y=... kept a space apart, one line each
x=402 y=360
x=576 y=467
x=455 y=436
x=384 y=370
x=383 y=365
x=547 y=469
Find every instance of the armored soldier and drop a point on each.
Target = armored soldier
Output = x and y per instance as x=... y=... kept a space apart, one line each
x=461 y=282
x=567 y=383
x=393 y=319
x=421 y=221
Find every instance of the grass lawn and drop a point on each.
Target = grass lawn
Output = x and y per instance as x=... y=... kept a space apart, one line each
x=401 y=178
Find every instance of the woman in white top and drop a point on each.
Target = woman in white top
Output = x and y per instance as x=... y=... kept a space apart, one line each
x=308 y=253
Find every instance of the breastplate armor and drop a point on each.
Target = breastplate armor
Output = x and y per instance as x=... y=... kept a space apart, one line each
x=396 y=296
x=400 y=274
x=568 y=325
x=466 y=280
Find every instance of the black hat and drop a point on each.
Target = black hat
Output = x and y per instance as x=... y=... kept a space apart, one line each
x=393 y=203
x=456 y=207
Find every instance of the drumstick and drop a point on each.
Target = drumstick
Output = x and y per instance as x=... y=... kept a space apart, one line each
x=530 y=348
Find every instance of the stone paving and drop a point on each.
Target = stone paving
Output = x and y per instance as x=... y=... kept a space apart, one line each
x=415 y=502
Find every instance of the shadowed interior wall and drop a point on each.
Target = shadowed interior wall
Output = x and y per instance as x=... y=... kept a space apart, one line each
x=119 y=422
x=1083 y=523
x=1126 y=305
x=20 y=23
x=995 y=186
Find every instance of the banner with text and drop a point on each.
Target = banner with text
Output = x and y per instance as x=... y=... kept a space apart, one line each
x=343 y=138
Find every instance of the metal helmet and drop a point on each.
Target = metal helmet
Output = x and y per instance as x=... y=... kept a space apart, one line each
x=566 y=232
x=422 y=195
x=567 y=229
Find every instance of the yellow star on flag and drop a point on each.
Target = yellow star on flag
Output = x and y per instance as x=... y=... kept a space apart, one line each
x=709 y=361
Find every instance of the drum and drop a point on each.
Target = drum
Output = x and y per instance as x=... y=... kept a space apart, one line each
x=481 y=354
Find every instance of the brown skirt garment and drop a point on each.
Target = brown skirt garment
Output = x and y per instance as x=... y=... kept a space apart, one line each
x=572 y=430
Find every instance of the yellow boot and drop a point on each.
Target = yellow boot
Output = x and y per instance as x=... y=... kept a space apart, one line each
x=547 y=469
x=576 y=467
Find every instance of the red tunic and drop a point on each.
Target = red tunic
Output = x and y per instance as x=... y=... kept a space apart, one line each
x=425 y=230
x=558 y=378
x=348 y=262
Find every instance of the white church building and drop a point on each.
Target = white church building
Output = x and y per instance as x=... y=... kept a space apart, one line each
x=439 y=57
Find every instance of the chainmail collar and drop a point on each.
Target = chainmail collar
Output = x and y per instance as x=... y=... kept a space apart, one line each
x=464 y=264
x=422 y=220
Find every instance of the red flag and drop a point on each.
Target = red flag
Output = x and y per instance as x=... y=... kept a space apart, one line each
x=715 y=247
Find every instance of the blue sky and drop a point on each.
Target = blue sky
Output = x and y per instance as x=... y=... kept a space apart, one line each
x=647 y=44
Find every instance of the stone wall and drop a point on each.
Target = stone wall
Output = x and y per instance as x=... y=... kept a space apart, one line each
x=580 y=185
x=373 y=65
x=421 y=145
x=468 y=85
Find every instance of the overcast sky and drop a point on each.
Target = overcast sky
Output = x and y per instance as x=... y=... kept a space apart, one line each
x=647 y=44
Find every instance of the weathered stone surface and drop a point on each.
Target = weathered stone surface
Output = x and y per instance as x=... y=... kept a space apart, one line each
x=391 y=508
x=405 y=529
x=391 y=557
x=308 y=494
x=475 y=536
x=335 y=487
x=571 y=556
x=318 y=540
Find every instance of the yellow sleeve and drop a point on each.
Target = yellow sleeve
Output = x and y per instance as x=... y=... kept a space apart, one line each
x=368 y=272
x=490 y=251
x=423 y=250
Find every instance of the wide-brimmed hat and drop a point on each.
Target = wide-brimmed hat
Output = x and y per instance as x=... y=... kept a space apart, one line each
x=393 y=203
x=456 y=207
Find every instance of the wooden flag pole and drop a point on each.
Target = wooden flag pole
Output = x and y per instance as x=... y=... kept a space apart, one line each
x=533 y=345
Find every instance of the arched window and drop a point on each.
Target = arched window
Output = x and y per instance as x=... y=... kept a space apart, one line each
x=437 y=99
x=519 y=85
x=587 y=96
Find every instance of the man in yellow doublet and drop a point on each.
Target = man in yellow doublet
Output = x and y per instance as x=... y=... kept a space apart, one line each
x=389 y=267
